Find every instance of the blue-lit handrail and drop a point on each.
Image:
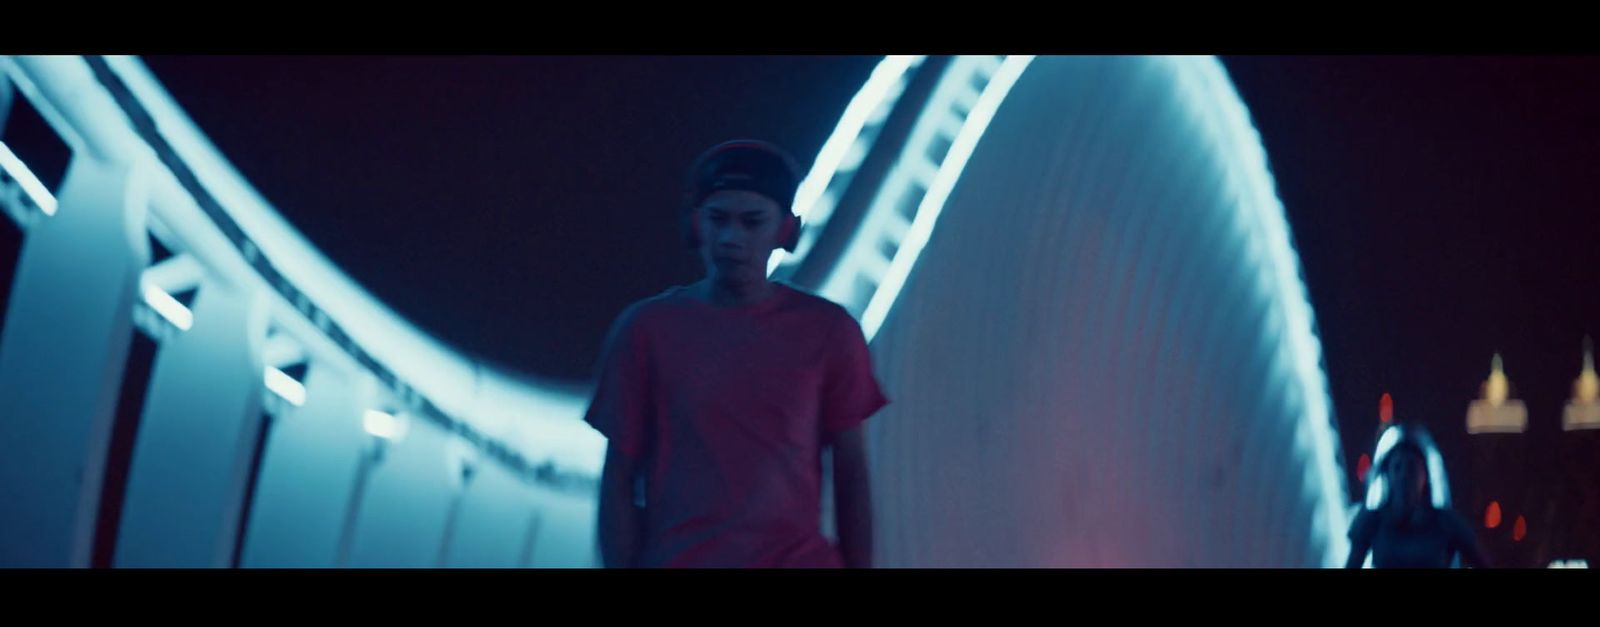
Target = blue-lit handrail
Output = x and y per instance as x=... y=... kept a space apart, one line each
x=113 y=108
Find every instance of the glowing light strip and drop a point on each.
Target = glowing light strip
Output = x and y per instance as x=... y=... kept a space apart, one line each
x=905 y=256
x=384 y=425
x=169 y=307
x=285 y=386
x=1214 y=95
x=31 y=184
x=879 y=88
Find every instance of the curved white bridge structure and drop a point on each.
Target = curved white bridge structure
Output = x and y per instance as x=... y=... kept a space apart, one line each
x=1078 y=282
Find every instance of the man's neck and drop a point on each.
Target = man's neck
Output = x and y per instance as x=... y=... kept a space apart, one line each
x=723 y=294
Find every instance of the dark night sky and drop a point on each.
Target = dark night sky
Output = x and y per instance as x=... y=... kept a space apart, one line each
x=1441 y=206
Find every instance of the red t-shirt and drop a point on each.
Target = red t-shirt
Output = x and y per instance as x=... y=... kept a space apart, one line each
x=728 y=408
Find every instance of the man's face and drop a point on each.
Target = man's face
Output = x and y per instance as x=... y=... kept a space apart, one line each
x=1410 y=477
x=738 y=232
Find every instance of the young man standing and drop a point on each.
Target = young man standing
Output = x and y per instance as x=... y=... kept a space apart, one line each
x=719 y=398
